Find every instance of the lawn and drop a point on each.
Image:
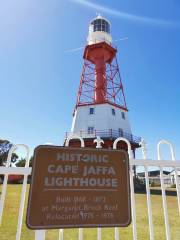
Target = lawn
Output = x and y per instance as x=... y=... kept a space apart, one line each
x=10 y=216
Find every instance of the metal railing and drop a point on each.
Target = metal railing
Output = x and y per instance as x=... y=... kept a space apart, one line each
x=108 y=133
x=145 y=162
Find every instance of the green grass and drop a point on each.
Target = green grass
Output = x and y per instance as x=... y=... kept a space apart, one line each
x=10 y=217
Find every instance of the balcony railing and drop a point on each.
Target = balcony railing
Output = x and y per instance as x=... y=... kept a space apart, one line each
x=105 y=134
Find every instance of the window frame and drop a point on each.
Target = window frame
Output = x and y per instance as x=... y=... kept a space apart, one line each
x=113 y=112
x=90 y=130
x=93 y=111
x=100 y=25
x=121 y=131
x=123 y=115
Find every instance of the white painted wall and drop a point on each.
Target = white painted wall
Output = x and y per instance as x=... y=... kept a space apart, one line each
x=102 y=119
x=98 y=36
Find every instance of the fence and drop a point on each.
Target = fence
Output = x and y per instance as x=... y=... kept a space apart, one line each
x=169 y=181
x=111 y=133
x=41 y=234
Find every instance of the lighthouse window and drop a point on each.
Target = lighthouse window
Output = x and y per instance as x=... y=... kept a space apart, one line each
x=103 y=28
x=91 y=111
x=123 y=115
x=100 y=25
x=90 y=130
x=120 y=132
x=113 y=111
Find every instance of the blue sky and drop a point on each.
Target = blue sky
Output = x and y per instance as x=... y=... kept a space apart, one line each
x=39 y=78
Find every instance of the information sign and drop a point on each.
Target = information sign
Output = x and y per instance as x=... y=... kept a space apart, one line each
x=78 y=187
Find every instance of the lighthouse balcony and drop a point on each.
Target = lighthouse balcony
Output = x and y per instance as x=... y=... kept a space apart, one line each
x=104 y=134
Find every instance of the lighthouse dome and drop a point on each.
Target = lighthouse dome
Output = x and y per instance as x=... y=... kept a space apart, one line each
x=99 y=31
x=100 y=24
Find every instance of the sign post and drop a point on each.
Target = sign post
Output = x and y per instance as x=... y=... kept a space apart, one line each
x=78 y=187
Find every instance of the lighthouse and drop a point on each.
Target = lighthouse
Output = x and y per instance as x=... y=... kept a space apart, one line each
x=100 y=108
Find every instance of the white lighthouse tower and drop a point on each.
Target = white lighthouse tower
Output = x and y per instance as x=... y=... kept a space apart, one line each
x=101 y=108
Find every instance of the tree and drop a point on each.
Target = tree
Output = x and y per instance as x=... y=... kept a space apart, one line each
x=5 y=146
x=22 y=162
